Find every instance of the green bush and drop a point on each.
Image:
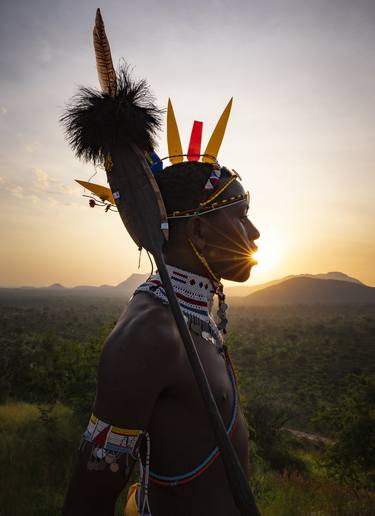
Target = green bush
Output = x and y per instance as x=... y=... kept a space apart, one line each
x=351 y=456
x=295 y=495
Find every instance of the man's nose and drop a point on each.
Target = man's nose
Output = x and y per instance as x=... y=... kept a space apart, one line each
x=253 y=232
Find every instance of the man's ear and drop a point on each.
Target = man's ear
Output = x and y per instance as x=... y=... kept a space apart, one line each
x=197 y=232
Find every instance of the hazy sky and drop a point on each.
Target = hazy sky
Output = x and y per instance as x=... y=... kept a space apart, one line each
x=301 y=133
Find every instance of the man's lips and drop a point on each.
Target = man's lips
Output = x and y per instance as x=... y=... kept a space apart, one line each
x=253 y=248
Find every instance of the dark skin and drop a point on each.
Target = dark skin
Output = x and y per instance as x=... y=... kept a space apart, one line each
x=145 y=382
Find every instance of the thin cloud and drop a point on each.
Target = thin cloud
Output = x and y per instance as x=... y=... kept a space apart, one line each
x=40 y=187
x=41 y=180
x=19 y=192
x=32 y=147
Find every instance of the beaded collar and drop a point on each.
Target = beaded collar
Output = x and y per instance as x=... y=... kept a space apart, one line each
x=195 y=296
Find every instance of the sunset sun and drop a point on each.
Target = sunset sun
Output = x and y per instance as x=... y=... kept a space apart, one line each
x=268 y=254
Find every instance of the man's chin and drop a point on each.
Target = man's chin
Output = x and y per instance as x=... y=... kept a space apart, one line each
x=239 y=274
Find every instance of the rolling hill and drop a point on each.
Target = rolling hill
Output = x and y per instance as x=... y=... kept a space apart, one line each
x=245 y=290
x=305 y=290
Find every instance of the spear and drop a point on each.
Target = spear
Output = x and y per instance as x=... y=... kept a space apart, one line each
x=141 y=208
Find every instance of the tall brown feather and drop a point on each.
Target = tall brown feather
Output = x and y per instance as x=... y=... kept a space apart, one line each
x=104 y=64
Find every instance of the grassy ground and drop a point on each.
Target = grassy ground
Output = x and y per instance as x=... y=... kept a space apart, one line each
x=35 y=462
x=35 y=457
x=295 y=495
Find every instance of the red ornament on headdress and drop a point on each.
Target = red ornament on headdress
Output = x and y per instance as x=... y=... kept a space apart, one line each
x=194 y=150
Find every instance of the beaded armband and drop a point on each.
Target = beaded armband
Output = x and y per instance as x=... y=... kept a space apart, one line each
x=109 y=443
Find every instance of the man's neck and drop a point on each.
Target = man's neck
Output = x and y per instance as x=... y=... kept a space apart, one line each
x=185 y=259
x=188 y=266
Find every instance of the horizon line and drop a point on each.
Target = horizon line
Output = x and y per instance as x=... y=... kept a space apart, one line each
x=239 y=285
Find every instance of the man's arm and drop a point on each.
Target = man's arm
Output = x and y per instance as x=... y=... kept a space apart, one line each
x=137 y=363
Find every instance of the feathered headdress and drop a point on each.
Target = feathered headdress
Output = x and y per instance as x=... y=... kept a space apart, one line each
x=116 y=127
x=124 y=112
x=96 y=120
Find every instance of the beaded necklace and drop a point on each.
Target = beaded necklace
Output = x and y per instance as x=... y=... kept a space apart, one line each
x=195 y=296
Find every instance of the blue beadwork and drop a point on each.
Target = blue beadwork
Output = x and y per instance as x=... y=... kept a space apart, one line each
x=172 y=480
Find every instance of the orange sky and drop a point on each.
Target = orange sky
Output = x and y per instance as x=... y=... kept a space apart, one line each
x=301 y=132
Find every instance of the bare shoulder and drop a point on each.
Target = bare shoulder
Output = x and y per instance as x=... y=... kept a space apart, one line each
x=139 y=360
x=146 y=325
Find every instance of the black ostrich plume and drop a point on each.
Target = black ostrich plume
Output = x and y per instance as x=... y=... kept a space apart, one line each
x=94 y=121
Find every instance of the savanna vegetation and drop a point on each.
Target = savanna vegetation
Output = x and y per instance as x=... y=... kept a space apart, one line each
x=307 y=379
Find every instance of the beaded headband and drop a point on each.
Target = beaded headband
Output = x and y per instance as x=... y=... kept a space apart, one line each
x=202 y=210
x=206 y=206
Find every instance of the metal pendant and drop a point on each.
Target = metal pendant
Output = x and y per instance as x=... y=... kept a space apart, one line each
x=114 y=467
x=208 y=336
x=109 y=458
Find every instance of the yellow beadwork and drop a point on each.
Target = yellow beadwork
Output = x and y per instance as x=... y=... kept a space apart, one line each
x=125 y=431
x=218 y=192
x=205 y=209
x=205 y=264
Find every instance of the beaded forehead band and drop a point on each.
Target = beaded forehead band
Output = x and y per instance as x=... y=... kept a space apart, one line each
x=202 y=210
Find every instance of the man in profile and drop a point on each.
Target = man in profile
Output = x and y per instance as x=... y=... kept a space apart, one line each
x=148 y=408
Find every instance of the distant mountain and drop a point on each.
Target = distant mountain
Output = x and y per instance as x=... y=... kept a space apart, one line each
x=340 y=276
x=131 y=283
x=124 y=289
x=305 y=290
x=245 y=290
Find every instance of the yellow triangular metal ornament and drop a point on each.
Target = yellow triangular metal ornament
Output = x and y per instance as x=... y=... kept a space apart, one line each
x=213 y=146
x=102 y=192
x=173 y=137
